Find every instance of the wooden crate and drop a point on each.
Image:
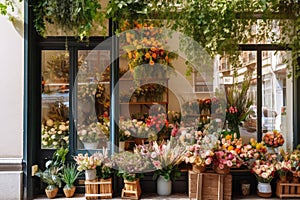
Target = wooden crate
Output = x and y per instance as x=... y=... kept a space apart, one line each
x=287 y=189
x=131 y=190
x=98 y=189
x=210 y=186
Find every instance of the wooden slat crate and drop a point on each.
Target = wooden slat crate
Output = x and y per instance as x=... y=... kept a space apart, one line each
x=131 y=190
x=210 y=186
x=287 y=189
x=98 y=189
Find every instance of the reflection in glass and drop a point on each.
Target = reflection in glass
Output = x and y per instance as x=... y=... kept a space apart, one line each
x=55 y=99
x=92 y=83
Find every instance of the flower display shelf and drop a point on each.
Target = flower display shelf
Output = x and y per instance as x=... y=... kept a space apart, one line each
x=287 y=189
x=131 y=190
x=209 y=185
x=98 y=188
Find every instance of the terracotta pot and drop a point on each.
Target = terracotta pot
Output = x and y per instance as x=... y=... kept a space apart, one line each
x=69 y=192
x=51 y=193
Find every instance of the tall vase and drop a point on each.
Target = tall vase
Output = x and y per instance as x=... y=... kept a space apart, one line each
x=90 y=174
x=164 y=187
x=264 y=190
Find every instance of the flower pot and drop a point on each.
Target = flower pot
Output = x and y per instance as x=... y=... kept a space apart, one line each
x=264 y=190
x=245 y=188
x=69 y=192
x=121 y=146
x=218 y=170
x=295 y=179
x=90 y=174
x=283 y=179
x=51 y=193
x=92 y=145
x=198 y=168
x=164 y=187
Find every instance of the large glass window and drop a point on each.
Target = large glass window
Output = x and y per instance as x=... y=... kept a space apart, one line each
x=92 y=83
x=55 y=99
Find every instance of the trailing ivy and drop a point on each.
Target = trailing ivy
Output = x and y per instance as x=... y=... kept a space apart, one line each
x=76 y=17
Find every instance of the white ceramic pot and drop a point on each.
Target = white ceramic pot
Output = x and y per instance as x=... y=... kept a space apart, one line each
x=92 y=145
x=264 y=187
x=164 y=187
x=90 y=174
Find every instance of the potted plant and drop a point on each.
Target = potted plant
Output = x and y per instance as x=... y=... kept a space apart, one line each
x=68 y=176
x=50 y=175
x=165 y=159
x=89 y=164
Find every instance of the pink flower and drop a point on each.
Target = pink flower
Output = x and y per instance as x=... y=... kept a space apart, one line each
x=221 y=166
x=157 y=164
x=229 y=163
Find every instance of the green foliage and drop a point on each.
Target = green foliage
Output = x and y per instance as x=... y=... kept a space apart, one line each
x=69 y=175
x=170 y=172
x=51 y=175
x=76 y=17
x=129 y=177
x=104 y=171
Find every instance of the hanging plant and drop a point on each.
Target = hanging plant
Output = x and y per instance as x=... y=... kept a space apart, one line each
x=76 y=17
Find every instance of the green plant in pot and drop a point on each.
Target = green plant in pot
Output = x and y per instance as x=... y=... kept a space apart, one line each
x=51 y=174
x=51 y=177
x=68 y=176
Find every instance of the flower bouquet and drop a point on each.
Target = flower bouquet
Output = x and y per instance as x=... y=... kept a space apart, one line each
x=224 y=160
x=91 y=164
x=55 y=134
x=130 y=166
x=273 y=139
x=264 y=172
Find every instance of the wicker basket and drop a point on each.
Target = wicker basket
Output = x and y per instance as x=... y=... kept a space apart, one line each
x=225 y=170
x=198 y=168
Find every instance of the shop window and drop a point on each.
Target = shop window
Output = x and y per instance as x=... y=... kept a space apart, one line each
x=55 y=99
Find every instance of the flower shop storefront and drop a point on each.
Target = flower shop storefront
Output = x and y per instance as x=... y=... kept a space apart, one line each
x=148 y=109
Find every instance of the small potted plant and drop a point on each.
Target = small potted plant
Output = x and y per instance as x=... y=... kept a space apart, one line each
x=51 y=175
x=68 y=176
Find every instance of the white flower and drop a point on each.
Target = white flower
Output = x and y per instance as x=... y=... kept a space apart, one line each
x=59 y=132
x=53 y=136
x=45 y=143
x=62 y=127
x=54 y=143
x=83 y=132
x=49 y=122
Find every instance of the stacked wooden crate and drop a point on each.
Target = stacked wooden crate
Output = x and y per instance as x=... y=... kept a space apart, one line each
x=287 y=189
x=210 y=186
x=98 y=189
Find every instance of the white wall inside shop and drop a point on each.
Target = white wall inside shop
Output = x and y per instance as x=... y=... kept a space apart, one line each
x=11 y=104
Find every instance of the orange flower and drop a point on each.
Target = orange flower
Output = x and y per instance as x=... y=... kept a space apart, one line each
x=166 y=58
x=147 y=55
x=154 y=56
x=151 y=62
